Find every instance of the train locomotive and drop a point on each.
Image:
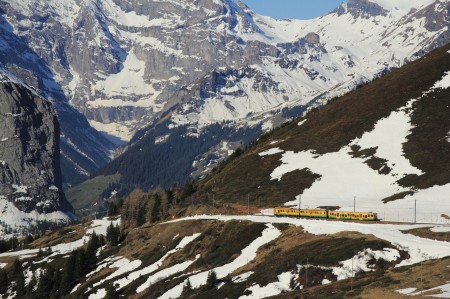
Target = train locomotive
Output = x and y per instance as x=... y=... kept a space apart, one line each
x=323 y=213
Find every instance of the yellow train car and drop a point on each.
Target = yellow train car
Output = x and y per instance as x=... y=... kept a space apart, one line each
x=290 y=212
x=322 y=213
x=361 y=216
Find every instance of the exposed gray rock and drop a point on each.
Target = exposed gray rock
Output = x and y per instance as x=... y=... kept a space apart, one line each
x=30 y=174
x=361 y=9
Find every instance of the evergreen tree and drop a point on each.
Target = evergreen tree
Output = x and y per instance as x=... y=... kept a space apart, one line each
x=211 y=280
x=20 y=286
x=28 y=239
x=31 y=284
x=80 y=265
x=140 y=219
x=187 y=288
x=40 y=253
x=45 y=285
x=3 y=281
x=17 y=268
x=156 y=208
x=57 y=277
x=112 y=234
x=111 y=292
x=91 y=252
x=168 y=193
x=68 y=277
x=112 y=209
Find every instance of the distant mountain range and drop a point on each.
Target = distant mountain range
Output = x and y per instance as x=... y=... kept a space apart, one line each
x=196 y=80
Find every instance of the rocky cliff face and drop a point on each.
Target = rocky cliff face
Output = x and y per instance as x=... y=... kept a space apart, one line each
x=30 y=175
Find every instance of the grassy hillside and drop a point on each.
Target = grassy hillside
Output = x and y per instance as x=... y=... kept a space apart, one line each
x=336 y=124
x=317 y=265
x=86 y=196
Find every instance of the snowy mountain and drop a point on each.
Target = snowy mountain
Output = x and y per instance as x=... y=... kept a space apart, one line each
x=126 y=65
x=30 y=174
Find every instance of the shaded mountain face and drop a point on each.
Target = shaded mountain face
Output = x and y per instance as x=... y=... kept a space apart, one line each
x=127 y=65
x=30 y=174
x=386 y=144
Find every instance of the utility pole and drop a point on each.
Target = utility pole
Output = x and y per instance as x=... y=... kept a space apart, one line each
x=354 y=203
x=299 y=203
x=415 y=210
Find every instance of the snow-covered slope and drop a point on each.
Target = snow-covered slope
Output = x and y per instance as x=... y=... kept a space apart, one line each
x=249 y=273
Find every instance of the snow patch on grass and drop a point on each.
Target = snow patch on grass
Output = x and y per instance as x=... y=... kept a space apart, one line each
x=247 y=254
x=100 y=294
x=271 y=151
x=440 y=229
x=155 y=266
x=123 y=266
x=163 y=274
x=406 y=291
x=242 y=277
x=444 y=289
x=444 y=83
x=272 y=289
x=359 y=263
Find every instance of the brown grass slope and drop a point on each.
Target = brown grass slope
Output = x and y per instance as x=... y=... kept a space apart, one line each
x=339 y=122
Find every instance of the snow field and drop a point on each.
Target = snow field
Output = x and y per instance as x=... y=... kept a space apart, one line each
x=155 y=266
x=359 y=263
x=419 y=249
x=248 y=254
x=345 y=180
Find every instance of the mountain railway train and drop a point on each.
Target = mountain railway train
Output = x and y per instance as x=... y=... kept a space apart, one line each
x=323 y=213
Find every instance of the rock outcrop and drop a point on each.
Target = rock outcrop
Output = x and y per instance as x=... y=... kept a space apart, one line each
x=30 y=174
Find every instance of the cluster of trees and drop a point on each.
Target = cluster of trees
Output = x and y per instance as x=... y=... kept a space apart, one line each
x=8 y=244
x=140 y=207
x=115 y=207
x=56 y=280
x=13 y=243
x=113 y=235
